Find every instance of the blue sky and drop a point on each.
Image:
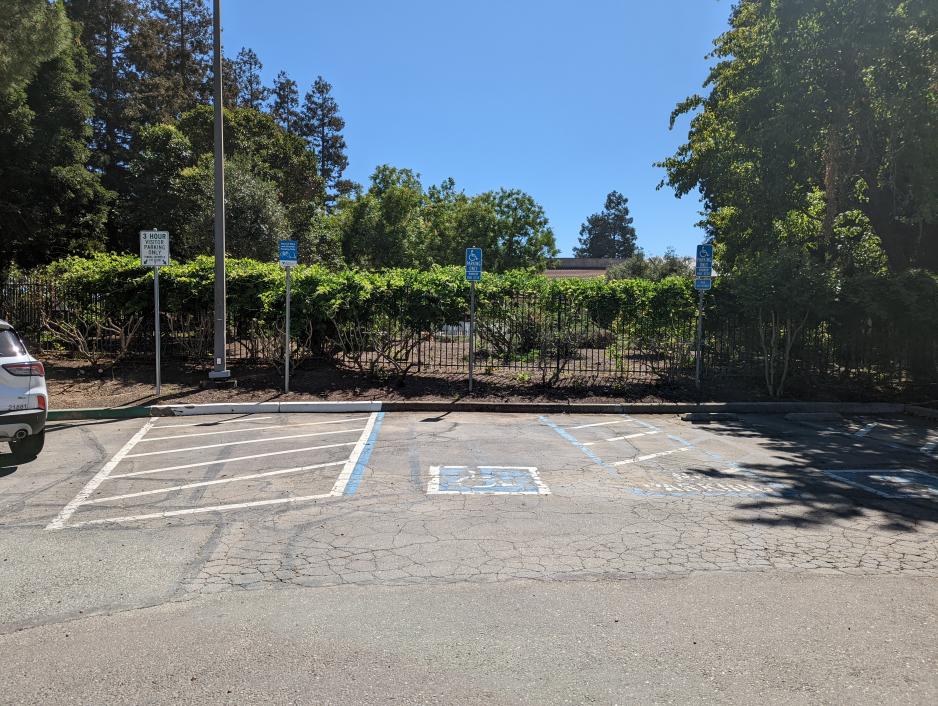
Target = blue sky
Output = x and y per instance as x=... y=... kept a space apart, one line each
x=565 y=100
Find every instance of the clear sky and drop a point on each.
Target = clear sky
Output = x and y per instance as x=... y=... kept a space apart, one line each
x=566 y=100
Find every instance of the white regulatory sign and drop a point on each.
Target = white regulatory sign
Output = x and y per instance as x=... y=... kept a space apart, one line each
x=154 y=248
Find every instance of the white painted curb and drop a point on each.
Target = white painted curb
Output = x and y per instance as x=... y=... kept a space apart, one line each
x=192 y=410
x=286 y=407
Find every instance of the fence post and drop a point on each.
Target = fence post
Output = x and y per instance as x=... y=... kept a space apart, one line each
x=557 y=341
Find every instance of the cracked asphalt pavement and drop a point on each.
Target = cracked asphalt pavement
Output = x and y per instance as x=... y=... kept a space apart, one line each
x=472 y=558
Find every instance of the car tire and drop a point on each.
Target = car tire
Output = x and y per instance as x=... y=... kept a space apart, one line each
x=25 y=450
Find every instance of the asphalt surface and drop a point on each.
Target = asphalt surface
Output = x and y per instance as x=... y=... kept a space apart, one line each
x=472 y=558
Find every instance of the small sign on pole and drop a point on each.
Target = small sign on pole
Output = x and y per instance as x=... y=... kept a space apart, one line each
x=289 y=258
x=473 y=275
x=154 y=252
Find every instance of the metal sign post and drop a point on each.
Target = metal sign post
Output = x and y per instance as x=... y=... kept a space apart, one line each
x=473 y=275
x=154 y=252
x=288 y=260
x=703 y=281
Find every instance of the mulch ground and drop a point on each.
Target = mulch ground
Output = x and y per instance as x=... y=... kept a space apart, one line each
x=74 y=383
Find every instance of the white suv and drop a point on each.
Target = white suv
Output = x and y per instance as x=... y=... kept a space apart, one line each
x=24 y=400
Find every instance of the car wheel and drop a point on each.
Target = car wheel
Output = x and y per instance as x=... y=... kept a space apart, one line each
x=28 y=449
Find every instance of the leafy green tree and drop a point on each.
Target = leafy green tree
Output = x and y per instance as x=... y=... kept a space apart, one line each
x=51 y=204
x=654 y=268
x=837 y=96
x=383 y=227
x=285 y=106
x=608 y=233
x=31 y=32
x=255 y=218
x=246 y=68
x=322 y=127
x=168 y=176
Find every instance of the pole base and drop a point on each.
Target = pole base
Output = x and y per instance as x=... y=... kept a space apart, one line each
x=219 y=374
x=219 y=384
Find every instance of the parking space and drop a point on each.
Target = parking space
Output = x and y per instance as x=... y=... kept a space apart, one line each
x=197 y=466
x=173 y=467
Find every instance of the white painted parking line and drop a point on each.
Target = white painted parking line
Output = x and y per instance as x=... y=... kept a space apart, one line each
x=230 y=460
x=245 y=420
x=621 y=438
x=252 y=429
x=342 y=481
x=238 y=443
x=217 y=481
x=867 y=429
x=651 y=456
x=200 y=510
x=59 y=521
x=603 y=424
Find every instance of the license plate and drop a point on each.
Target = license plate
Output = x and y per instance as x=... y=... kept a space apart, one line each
x=21 y=403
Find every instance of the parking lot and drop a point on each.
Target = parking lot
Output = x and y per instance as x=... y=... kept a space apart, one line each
x=794 y=522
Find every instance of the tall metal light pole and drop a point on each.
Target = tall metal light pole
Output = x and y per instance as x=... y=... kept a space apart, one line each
x=220 y=370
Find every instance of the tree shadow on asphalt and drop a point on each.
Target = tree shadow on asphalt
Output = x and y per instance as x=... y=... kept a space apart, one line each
x=812 y=497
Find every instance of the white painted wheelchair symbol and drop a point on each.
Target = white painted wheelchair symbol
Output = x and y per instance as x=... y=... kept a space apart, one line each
x=485 y=480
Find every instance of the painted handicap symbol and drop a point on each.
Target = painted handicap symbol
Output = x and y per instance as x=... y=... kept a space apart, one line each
x=504 y=480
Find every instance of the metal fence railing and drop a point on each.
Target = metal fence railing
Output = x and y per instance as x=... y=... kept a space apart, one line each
x=519 y=339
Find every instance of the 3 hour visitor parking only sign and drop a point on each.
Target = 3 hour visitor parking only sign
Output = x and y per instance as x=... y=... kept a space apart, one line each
x=154 y=248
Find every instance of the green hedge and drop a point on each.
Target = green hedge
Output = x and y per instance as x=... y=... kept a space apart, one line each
x=424 y=300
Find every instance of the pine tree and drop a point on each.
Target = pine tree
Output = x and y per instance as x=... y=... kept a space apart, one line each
x=286 y=104
x=609 y=233
x=51 y=204
x=322 y=127
x=171 y=58
x=252 y=93
x=106 y=28
x=31 y=32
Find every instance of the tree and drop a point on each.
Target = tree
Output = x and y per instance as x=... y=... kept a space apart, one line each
x=106 y=28
x=51 y=204
x=31 y=32
x=322 y=127
x=246 y=70
x=804 y=95
x=654 y=268
x=171 y=58
x=609 y=233
x=168 y=177
x=286 y=104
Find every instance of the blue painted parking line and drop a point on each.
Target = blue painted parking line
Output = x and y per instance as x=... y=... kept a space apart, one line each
x=578 y=444
x=484 y=480
x=356 y=478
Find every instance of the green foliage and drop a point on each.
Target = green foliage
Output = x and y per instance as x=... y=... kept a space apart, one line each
x=833 y=98
x=609 y=233
x=31 y=33
x=395 y=223
x=654 y=268
x=50 y=203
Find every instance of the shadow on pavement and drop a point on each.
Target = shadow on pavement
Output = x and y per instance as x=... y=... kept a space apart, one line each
x=811 y=497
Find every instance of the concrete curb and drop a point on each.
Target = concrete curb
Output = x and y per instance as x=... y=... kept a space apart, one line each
x=707 y=408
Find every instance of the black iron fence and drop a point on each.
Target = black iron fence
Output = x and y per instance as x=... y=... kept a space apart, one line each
x=519 y=339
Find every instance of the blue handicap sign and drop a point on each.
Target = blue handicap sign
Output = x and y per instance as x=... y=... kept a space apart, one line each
x=704 y=264
x=703 y=283
x=289 y=255
x=473 y=264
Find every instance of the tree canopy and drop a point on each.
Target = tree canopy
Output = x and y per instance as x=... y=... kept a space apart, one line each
x=610 y=232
